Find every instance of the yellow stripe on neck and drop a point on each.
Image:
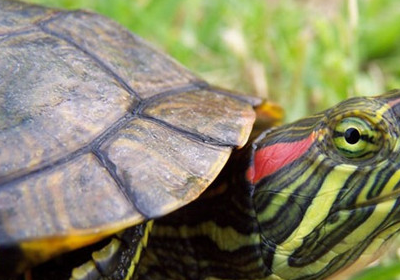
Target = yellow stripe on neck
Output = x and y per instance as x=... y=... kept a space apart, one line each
x=315 y=214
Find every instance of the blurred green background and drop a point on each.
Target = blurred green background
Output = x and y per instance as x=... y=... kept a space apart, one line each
x=306 y=55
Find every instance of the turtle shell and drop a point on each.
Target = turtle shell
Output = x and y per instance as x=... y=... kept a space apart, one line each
x=99 y=131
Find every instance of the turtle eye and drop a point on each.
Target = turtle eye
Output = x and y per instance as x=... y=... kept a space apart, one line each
x=352 y=135
x=356 y=138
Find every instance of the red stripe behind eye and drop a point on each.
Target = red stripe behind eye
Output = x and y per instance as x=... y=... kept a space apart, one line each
x=394 y=102
x=272 y=158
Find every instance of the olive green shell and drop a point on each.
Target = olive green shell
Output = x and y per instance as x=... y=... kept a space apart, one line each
x=98 y=130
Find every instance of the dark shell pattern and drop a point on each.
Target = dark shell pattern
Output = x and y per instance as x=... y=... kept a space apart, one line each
x=98 y=130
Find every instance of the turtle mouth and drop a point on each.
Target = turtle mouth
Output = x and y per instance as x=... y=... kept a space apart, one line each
x=379 y=199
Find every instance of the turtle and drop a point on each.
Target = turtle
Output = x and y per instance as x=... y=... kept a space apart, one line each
x=116 y=162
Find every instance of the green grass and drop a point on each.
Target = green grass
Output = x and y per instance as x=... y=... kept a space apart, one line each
x=305 y=55
x=389 y=271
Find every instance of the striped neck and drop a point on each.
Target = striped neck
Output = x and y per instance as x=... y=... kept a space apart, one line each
x=327 y=201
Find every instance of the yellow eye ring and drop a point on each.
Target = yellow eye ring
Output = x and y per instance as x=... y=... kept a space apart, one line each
x=356 y=138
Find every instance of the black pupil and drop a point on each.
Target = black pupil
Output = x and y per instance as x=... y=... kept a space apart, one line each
x=352 y=135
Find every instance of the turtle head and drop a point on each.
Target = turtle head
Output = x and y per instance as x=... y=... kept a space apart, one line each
x=327 y=188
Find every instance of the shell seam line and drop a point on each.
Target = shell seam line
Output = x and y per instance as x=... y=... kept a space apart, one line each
x=43 y=26
x=190 y=135
x=30 y=28
x=93 y=145
x=248 y=99
x=200 y=85
x=6 y=36
x=112 y=170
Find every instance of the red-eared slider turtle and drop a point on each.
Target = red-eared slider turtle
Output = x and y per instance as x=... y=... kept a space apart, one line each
x=100 y=134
